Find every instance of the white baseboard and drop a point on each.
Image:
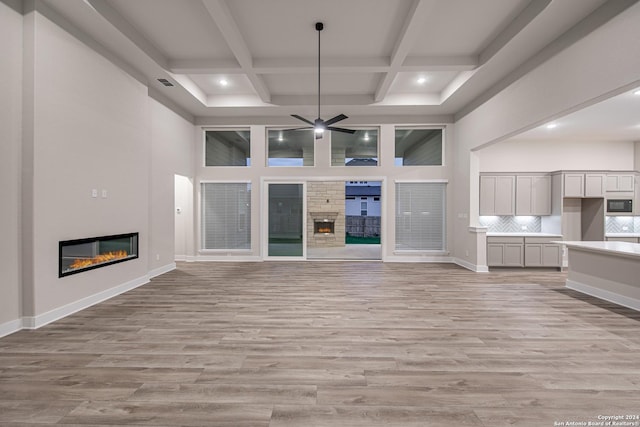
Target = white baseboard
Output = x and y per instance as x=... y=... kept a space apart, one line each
x=226 y=258
x=34 y=322
x=161 y=270
x=604 y=294
x=419 y=258
x=470 y=266
x=10 y=327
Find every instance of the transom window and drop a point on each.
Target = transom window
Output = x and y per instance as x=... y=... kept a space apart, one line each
x=419 y=147
x=358 y=149
x=290 y=147
x=227 y=147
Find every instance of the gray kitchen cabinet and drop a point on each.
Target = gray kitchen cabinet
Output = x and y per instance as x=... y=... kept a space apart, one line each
x=573 y=185
x=541 y=252
x=505 y=251
x=620 y=182
x=594 y=184
x=497 y=195
x=533 y=195
x=584 y=185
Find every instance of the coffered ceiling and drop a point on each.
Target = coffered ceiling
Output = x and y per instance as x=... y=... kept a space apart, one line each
x=395 y=59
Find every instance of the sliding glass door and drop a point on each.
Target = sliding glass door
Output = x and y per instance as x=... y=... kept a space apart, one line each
x=286 y=236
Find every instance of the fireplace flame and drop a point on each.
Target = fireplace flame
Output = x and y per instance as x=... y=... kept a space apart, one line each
x=324 y=229
x=98 y=259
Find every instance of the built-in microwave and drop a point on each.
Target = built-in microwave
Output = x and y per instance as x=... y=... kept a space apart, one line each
x=620 y=205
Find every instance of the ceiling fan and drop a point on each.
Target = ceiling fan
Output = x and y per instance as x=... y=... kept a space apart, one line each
x=319 y=125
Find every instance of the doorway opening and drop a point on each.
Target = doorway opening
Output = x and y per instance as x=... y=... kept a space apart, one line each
x=183 y=218
x=345 y=220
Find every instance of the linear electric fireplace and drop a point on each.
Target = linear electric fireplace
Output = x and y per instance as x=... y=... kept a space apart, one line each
x=80 y=255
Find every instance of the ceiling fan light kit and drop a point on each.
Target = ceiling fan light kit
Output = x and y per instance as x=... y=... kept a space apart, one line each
x=319 y=125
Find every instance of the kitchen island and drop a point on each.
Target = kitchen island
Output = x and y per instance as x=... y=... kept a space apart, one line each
x=606 y=270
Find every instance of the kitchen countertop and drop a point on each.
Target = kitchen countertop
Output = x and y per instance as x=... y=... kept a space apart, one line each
x=612 y=248
x=622 y=235
x=524 y=234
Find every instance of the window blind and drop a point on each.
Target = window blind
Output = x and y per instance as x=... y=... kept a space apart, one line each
x=420 y=216
x=226 y=216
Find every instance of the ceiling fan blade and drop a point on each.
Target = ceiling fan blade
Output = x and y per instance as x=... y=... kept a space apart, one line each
x=335 y=119
x=332 y=128
x=303 y=119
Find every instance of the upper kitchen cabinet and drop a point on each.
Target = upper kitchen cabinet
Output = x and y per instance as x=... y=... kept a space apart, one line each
x=620 y=183
x=584 y=184
x=533 y=195
x=497 y=195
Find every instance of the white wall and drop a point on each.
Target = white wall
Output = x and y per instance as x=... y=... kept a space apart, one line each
x=547 y=156
x=603 y=63
x=90 y=131
x=171 y=153
x=323 y=171
x=87 y=125
x=10 y=155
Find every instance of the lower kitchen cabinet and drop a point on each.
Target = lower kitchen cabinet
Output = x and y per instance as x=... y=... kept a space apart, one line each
x=542 y=255
x=505 y=251
x=518 y=251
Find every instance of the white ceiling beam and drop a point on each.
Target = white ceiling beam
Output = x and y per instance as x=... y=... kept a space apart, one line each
x=221 y=16
x=408 y=34
x=440 y=63
x=326 y=100
x=329 y=65
x=528 y=14
x=205 y=66
x=129 y=31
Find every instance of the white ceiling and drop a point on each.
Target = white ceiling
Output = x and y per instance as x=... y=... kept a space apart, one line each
x=373 y=52
x=614 y=119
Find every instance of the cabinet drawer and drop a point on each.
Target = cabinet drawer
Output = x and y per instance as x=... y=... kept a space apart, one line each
x=505 y=239
x=541 y=240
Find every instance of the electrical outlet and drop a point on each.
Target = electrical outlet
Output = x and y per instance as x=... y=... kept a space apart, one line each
x=104 y=194
x=94 y=192
x=524 y=228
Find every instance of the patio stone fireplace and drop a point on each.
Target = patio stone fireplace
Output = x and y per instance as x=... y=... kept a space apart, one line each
x=323 y=227
x=325 y=218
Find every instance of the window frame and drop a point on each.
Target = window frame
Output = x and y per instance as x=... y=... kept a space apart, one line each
x=267 y=155
x=224 y=129
x=444 y=249
x=201 y=222
x=357 y=129
x=443 y=150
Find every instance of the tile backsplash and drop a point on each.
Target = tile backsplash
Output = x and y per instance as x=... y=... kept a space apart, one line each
x=512 y=224
x=622 y=224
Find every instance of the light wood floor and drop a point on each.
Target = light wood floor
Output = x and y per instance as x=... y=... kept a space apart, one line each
x=329 y=344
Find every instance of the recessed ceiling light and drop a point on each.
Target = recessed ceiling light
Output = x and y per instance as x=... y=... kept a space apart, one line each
x=637 y=92
x=551 y=125
x=421 y=80
x=223 y=82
